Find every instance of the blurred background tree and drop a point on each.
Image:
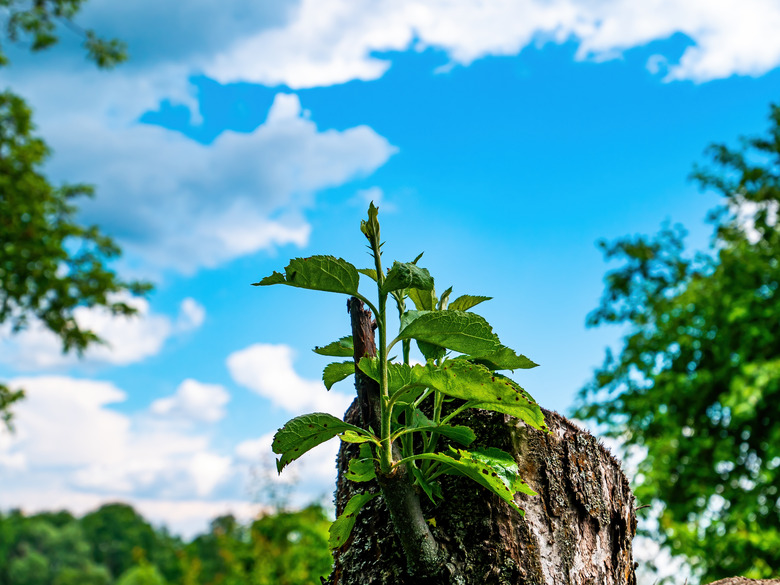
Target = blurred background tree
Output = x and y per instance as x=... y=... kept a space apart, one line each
x=116 y=545
x=695 y=388
x=49 y=264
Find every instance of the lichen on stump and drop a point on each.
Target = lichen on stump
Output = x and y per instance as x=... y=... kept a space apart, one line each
x=577 y=531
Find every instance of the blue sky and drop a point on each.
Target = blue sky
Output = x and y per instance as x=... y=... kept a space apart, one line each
x=501 y=140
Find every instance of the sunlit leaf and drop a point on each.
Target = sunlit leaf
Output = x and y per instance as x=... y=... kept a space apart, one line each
x=361 y=469
x=486 y=470
x=456 y=330
x=504 y=359
x=325 y=273
x=398 y=375
x=404 y=275
x=341 y=348
x=305 y=432
x=465 y=302
x=424 y=300
x=461 y=379
x=336 y=372
x=370 y=272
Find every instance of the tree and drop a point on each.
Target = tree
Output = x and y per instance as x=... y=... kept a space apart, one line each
x=695 y=386
x=119 y=537
x=439 y=462
x=49 y=264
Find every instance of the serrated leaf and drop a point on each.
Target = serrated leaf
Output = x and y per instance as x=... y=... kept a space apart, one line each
x=482 y=471
x=341 y=348
x=457 y=330
x=462 y=379
x=325 y=273
x=463 y=435
x=336 y=372
x=504 y=359
x=398 y=375
x=424 y=300
x=342 y=527
x=370 y=272
x=305 y=432
x=465 y=302
x=405 y=275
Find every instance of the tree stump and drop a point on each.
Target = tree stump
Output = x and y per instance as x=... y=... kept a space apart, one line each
x=577 y=531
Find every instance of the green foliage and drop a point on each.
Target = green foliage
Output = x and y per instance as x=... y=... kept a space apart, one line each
x=342 y=527
x=49 y=264
x=119 y=537
x=35 y=23
x=470 y=378
x=142 y=574
x=305 y=432
x=280 y=548
x=336 y=372
x=696 y=385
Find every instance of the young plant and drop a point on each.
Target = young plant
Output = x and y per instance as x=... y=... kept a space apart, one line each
x=407 y=409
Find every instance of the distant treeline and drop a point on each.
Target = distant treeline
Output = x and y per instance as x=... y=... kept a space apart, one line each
x=115 y=546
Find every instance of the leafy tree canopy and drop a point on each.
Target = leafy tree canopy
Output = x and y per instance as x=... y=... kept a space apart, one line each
x=696 y=384
x=49 y=263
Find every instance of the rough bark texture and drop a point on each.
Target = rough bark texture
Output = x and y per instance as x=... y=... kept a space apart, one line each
x=577 y=531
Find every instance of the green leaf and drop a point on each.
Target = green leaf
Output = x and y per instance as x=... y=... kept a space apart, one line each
x=431 y=351
x=342 y=527
x=305 y=432
x=465 y=302
x=398 y=375
x=444 y=300
x=486 y=470
x=504 y=359
x=506 y=467
x=432 y=489
x=462 y=379
x=463 y=435
x=361 y=469
x=325 y=273
x=370 y=228
x=370 y=272
x=336 y=372
x=341 y=348
x=353 y=437
x=424 y=300
x=407 y=275
x=456 y=330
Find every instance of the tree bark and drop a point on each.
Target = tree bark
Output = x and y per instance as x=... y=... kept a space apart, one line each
x=577 y=531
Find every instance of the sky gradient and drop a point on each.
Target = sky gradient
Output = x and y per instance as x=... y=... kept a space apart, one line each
x=503 y=140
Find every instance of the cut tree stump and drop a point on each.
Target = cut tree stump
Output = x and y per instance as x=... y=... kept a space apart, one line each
x=577 y=531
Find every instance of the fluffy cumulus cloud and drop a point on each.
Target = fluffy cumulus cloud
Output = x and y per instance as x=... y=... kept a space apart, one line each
x=177 y=204
x=194 y=401
x=71 y=447
x=128 y=339
x=333 y=41
x=268 y=370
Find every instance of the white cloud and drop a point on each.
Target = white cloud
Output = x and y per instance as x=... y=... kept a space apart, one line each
x=68 y=435
x=326 y=42
x=191 y=315
x=128 y=339
x=268 y=370
x=194 y=401
x=175 y=203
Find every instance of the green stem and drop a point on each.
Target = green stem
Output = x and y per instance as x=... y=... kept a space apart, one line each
x=457 y=411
